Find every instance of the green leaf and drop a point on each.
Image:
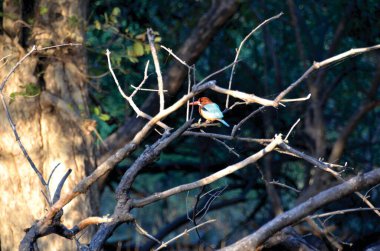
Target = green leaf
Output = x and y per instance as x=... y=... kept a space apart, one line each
x=43 y=10
x=147 y=48
x=97 y=111
x=133 y=59
x=104 y=117
x=116 y=11
x=31 y=90
x=98 y=25
x=138 y=49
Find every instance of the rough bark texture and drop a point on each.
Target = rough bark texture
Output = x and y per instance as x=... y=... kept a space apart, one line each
x=48 y=133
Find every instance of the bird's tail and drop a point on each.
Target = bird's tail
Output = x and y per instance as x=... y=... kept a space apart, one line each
x=224 y=122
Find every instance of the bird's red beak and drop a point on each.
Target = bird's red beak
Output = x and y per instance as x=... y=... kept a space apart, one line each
x=195 y=103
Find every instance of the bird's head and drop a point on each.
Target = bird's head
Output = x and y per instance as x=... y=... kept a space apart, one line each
x=201 y=101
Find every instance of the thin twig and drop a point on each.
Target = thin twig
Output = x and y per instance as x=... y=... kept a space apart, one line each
x=129 y=99
x=291 y=129
x=236 y=127
x=170 y=51
x=370 y=190
x=226 y=137
x=188 y=91
x=165 y=244
x=13 y=125
x=296 y=99
x=142 y=231
x=143 y=81
x=343 y=211
x=189 y=68
x=239 y=49
x=146 y=89
x=217 y=72
x=284 y=185
x=160 y=82
x=52 y=172
x=17 y=137
x=230 y=149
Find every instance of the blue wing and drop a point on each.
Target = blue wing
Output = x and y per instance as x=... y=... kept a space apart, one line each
x=212 y=111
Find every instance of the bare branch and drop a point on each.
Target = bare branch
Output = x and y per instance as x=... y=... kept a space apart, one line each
x=146 y=89
x=165 y=244
x=142 y=231
x=273 y=182
x=343 y=211
x=57 y=193
x=291 y=129
x=129 y=99
x=142 y=82
x=160 y=82
x=170 y=51
x=226 y=137
x=325 y=167
x=239 y=49
x=90 y=221
x=318 y=65
x=236 y=127
x=209 y=179
x=304 y=209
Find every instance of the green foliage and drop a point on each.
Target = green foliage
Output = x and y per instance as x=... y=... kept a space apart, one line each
x=43 y=10
x=30 y=90
x=73 y=21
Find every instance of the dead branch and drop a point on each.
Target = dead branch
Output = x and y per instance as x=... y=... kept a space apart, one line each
x=209 y=179
x=343 y=211
x=284 y=186
x=128 y=98
x=355 y=184
x=241 y=46
x=226 y=137
x=150 y=34
x=236 y=127
x=187 y=231
x=122 y=209
x=319 y=65
x=327 y=168
x=142 y=82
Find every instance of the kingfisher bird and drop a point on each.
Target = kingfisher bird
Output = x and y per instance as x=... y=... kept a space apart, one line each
x=209 y=110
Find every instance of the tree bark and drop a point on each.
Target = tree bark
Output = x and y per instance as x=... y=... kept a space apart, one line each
x=49 y=134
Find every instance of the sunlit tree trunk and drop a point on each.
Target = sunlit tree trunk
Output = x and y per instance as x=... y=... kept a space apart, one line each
x=50 y=111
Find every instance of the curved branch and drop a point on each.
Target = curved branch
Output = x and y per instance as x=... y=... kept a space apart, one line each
x=301 y=211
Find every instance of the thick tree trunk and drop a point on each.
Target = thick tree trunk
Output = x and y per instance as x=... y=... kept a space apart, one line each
x=49 y=134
